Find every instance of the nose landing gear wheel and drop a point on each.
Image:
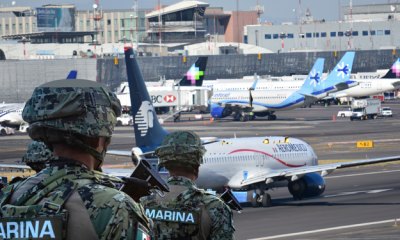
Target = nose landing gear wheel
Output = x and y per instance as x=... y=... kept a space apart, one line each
x=255 y=202
x=266 y=200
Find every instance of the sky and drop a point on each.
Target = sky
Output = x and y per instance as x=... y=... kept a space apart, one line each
x=276 y=11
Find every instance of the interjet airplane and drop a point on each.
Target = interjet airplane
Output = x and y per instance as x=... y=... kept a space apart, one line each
x=245 y=164
x=265 y=102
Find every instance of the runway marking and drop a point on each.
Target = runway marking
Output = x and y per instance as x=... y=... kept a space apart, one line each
x=383 y=140
x=351 y=193
x=326 y=229
x=359 y=174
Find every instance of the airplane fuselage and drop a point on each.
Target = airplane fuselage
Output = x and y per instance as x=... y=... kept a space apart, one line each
x=229 y=161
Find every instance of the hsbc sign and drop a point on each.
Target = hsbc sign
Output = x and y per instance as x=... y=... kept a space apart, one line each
x=170 y=98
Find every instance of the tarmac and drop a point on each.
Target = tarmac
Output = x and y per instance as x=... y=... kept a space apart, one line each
x=358 y=203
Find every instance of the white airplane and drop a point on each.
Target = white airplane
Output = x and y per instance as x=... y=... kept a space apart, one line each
x=244 y=164
x=366 y=87
x=265 y=102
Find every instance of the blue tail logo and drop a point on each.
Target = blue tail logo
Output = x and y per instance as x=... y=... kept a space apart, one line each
x=343 y=70
x=315 y=78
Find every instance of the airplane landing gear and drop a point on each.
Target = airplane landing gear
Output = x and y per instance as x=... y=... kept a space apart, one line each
x=271 y=117
x=261 y=200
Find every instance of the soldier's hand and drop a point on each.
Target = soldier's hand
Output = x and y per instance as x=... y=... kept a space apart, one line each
x=136 y=188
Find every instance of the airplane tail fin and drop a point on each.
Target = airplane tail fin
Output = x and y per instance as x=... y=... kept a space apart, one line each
x=195 y=74
x=149 y=133
x=341 y=73
x=313 y=80
x=72 y=74
x=394 y=71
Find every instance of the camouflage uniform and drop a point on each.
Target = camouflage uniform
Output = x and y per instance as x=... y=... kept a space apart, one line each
x=77 y=202
x=187 y=212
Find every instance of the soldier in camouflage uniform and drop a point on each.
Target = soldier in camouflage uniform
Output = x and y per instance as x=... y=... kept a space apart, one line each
x=186 y=212
x=71 y=198
x=37 y=155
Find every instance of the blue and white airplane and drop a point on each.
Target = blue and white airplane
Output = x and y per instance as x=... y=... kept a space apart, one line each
x=265 y=102
x=11 y=113
x=256 y=163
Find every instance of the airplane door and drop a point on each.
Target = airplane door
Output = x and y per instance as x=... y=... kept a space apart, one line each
x=379 y=87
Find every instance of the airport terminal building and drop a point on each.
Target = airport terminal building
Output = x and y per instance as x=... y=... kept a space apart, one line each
x=374 y=27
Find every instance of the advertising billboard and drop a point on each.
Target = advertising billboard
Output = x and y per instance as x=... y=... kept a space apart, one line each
x=48 y=19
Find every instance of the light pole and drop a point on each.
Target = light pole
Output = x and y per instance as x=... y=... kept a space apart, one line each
x=131 y=30
x=348 y=41
x=295 y=18
x=283 y=35
x=24 y=40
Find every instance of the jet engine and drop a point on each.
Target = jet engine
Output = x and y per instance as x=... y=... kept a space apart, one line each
x=220 y=112
x=310 y=185
x=261 y=114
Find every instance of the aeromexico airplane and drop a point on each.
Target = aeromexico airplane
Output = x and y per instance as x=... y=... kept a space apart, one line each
x=256 y=163
x=265 y=102
x=11 y=113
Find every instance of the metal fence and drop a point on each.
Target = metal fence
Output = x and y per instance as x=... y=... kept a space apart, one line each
x=237 y=66
x=19 y=78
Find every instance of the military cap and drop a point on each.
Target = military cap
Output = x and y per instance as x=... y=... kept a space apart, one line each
x=37 y=153
x=58 y=111
x=181 y=148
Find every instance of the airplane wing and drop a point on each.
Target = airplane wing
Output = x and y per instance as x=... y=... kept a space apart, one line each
x=269 y=176
x=14 y=166
x=396 y=84
x=120 y=153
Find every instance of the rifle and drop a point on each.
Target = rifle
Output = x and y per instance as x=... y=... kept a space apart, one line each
x=231 y=200
x=142 y=180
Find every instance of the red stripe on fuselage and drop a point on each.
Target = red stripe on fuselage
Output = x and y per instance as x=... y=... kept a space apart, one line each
x=251 y=150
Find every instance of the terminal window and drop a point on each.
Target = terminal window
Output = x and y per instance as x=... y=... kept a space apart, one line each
x=290 y=35
x=276 y=36
x=81 y=24
x=33 y=25
x=116 y=33
x=108 y=21
x=355 y=33
x=1 y=27
x=88 y=23
x=373 y=32
x=387 y=32
x=365 y=33
x=323 y=34
x=26 y=25
x=102 y=22
x=7 y=27
x=115 y=21
x=340 y=34
x=315 y=34
x=333 y=34
x=267 y=36
x=109 y=33
x=20 y=26
x=308 y=35
x=380 y=32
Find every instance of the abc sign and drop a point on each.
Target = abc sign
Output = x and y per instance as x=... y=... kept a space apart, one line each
x=170 y=98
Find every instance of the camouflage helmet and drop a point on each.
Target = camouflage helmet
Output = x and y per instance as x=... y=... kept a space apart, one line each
x=37 y=153
x=181 y=148
x=58 y=111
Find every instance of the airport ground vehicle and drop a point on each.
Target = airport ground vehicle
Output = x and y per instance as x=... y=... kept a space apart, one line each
x=125 y=120
x=387 y=112
x=24 y=127
x=6 y=130
x=347 y=113
x=365 y=109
